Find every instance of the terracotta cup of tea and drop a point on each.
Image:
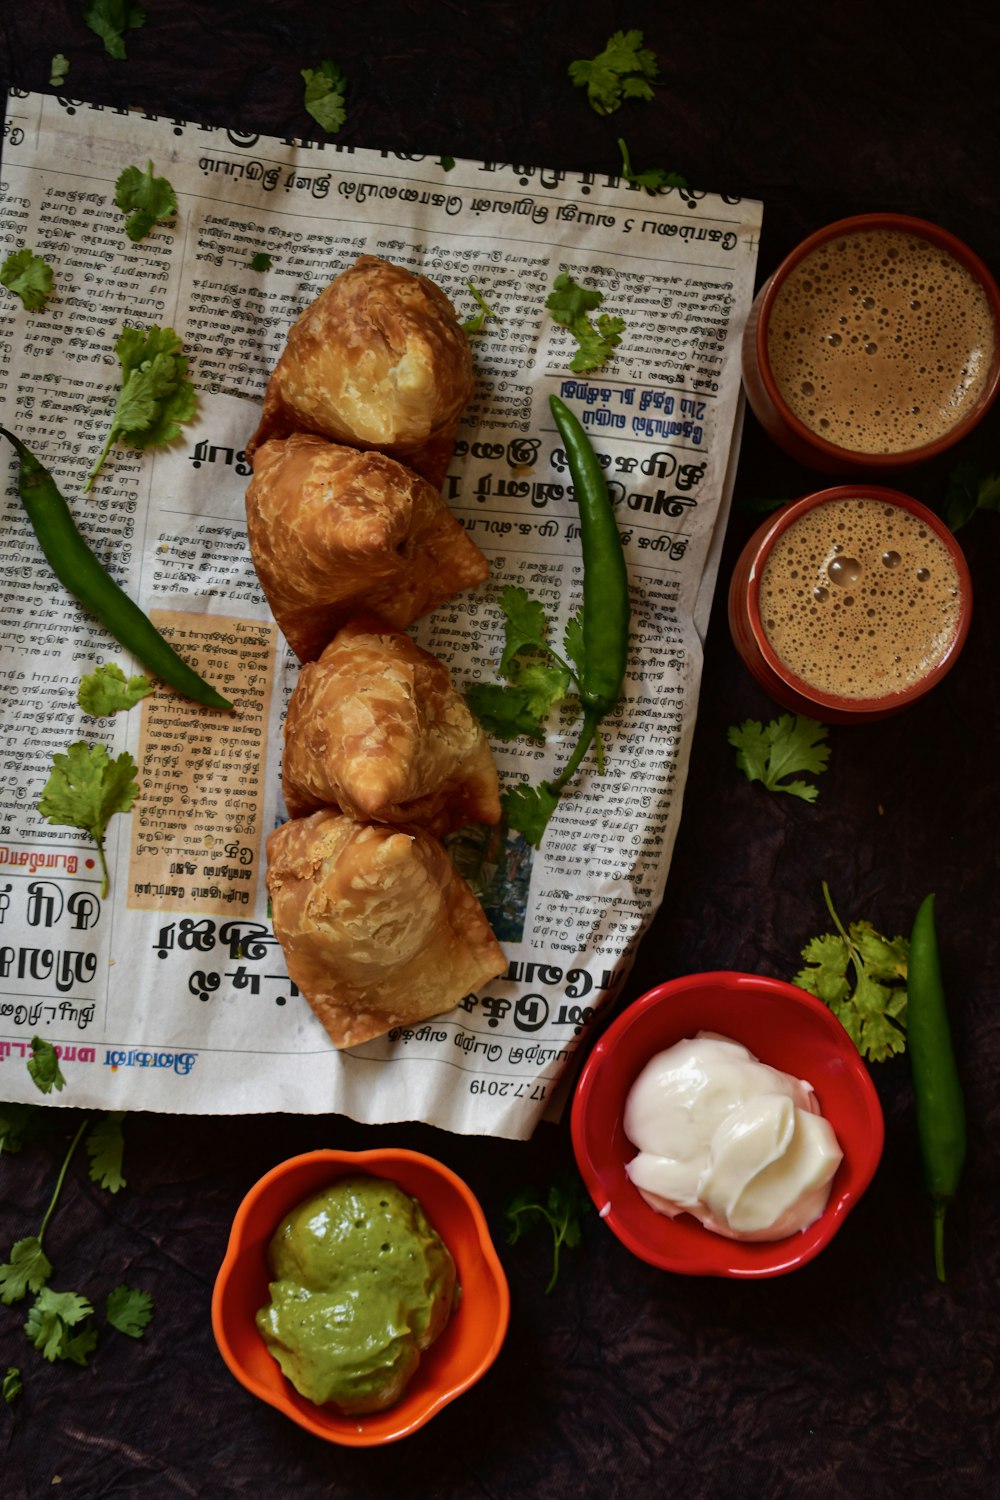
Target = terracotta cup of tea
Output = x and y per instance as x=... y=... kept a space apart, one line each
x=874 y=346
x=850 y=604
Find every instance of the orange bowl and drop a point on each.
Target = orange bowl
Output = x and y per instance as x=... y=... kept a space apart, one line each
x=782 y=1026
x=464 y=1352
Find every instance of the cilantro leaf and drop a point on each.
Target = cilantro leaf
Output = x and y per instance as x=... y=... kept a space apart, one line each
x=597 y=343
x=13 y=1386
x=81 y=1346
x=883 y=958
x=536 y=677
x=19 y=1123
x=529 y=808
x=148 y=200
x=521 y=707
x=477 y=322
x=505 y=711
x=28 y=1269
x=105 y=1147
x=50 y=1318
x=827 y=958
x=28 y=276
x=562 y=1209
x=568 y=301
x=544 y=684
x=447 y=162
x=324 y=95
x=861 y=976
x=129 y=1310
x=570 y=305
x=791 y=743
x=878 y=1038
x=58 y=69
x=107 y=690
x=524 y=625
x=43 y=1065
x=85 y=789
x=155 y=398
x=653 y=179
x=110 y=19
x=970 y=489
x=624 y=70
x=260 y=261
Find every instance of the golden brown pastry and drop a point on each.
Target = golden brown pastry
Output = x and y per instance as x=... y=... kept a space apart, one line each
x=376 y=728
x=378 y=360
x=333 y=530
x=377 y=927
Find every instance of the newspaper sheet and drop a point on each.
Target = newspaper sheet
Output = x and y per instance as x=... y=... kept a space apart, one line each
x=171 y=994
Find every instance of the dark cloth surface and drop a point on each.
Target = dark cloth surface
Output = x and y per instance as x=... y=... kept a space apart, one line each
x=858 y=1375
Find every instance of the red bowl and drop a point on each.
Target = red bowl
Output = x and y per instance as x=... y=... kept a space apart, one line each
x=464 y=1352
x=782 y=1026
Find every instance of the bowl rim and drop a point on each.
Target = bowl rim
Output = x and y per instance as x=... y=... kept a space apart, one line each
x=398 y=1421
x=872 y=222
x=794 y=1250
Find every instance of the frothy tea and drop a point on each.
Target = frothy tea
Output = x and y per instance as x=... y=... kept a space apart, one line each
x=880 y=341
x=860 y=598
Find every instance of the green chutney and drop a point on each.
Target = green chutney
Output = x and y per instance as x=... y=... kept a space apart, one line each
x=362 y=1285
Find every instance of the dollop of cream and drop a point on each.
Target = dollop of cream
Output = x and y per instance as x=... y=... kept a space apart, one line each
x=740 y=1145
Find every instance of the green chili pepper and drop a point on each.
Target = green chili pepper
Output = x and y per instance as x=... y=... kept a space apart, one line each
x=606 y=611
x=606 y=608
x=940 y=1108
x=82 y=574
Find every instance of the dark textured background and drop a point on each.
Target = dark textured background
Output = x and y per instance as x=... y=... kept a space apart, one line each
x=859 y=1375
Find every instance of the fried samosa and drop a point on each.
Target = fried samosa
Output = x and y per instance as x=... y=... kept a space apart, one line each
x=378 y=360
x=333 y=531
x=377 y=927
x=376 y=728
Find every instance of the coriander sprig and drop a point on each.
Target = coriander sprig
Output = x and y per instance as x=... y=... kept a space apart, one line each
x=862 y=977
x=29 y=1268
x=625 y=69
x=562 y=1209
x=538 y=678
x=653 y=178
x=790 y=743
x=28 y=276
x=147 y=199
x=570 y=306
x=156 y=397
x=106 y=690
x=43 y=1065
x=324 y=95
x=60 y=1323
x=110 y=19
x=477 y=322
x=85 y=789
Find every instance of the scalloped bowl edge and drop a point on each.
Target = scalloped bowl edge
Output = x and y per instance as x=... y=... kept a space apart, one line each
x=461 y=1356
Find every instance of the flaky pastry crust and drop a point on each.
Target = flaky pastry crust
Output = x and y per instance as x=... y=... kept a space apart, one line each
x=376 y=728
x=333 y=530
x=378 y=360
x=377 y=927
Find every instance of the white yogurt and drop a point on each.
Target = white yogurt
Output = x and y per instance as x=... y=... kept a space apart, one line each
x=741 y=1146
